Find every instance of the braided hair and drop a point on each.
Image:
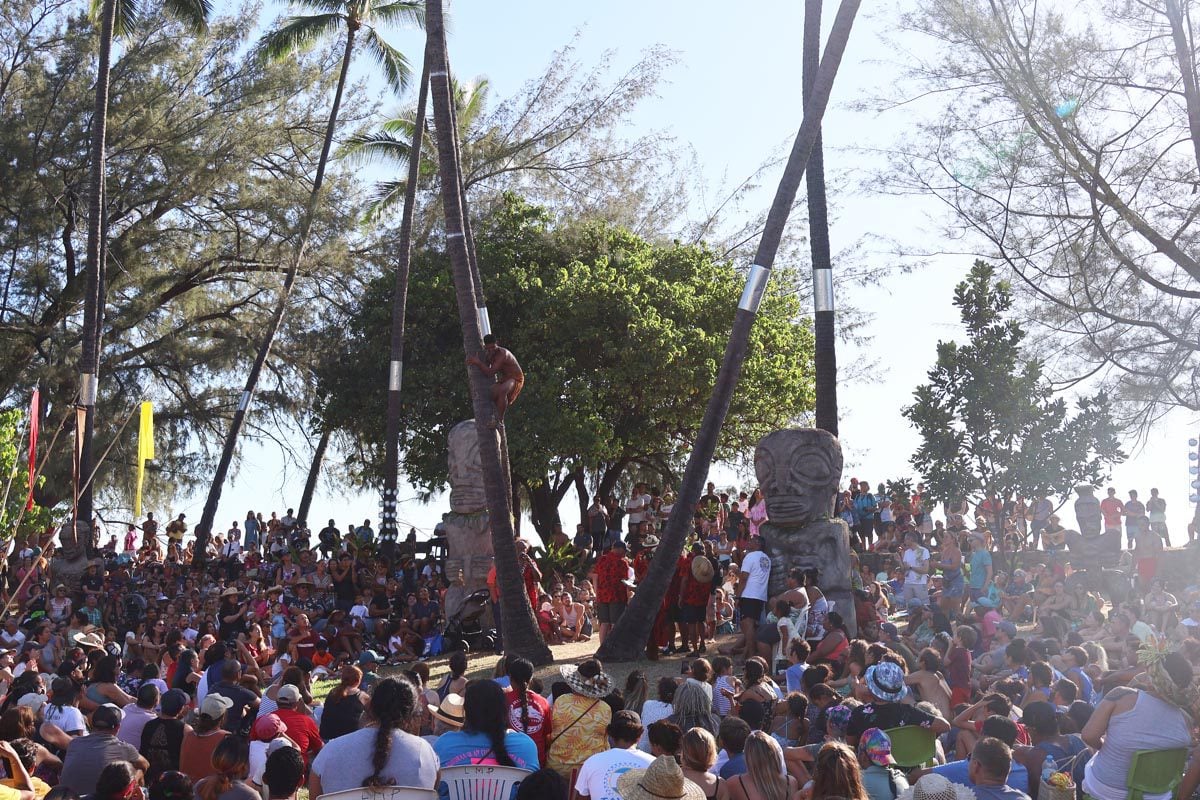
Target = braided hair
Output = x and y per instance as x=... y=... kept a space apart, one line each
x=486 y=712
x=520 y=671
x=392 y=704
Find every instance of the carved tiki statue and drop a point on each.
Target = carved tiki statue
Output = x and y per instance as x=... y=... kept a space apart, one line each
x=468 y=533
x=799 y=470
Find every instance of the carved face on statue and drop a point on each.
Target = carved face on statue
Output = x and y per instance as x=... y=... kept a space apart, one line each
x=798 y=470
x=467 y=494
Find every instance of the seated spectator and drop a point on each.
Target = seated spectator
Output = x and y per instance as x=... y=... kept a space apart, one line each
x=344 y=705
x=485 y=737
x=836 y=774
x=26 y=752
x=996 y=727
x=733 y=733
x=283 y=774
x=662 y=779
x=885 y=682
x=598 y=775
x=580 y=717
x=545 y=784
x=162 y=737
x=991 y=763
x=88 y=755
x=195 y=753
x=266 y=735
x=301 y=727
x=698 y=755
x=230 y=763
x=880 y=779
x=654 y=710
x=119 y=780
x=665 y=739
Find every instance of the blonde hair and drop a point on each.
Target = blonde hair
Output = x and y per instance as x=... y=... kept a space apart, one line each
x=698 y=750
x=764 y=766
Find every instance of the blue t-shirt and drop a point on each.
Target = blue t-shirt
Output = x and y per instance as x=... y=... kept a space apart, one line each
x=735 y=766
x=980 y=560
x=457 y=749
x=956 y=772
x=793 y=674
x=1085 y=689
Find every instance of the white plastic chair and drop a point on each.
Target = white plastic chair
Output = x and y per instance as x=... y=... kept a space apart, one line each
x=481 y=781
x=383 y=793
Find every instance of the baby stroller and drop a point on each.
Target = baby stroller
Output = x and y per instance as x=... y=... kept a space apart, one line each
x=464 y=631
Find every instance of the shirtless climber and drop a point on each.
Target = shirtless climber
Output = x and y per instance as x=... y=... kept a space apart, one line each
x=509 y=377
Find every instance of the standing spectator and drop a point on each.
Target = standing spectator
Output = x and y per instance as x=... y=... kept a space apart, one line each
x=1156 y=510
x=1112 y=509
x=981 y=564
x=1135 y=517
x=88 y=755
x=916 y=577
x=598 y=775
x=753 y=578
x=636 y=507
x=611 y=572
x=597 y=523
x=695 y=574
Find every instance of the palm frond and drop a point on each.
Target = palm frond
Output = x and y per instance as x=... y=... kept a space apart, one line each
x=396 y=69
x=297 y=34
x=328 y=6
x=373 y=147
x=127 y=15
x=401 y=126
x=471 y=100
x=385 y=196
x=399 y=12
x=192 y=13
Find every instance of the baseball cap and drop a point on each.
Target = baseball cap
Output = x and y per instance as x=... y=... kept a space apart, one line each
x=619 y=545
x=107 y=717
x=890 y=629
x=267 y=727
x=32 y=701
x=368 y=657
x=215 y=705
x=1008 y=627
x=876 y=746
x=287 y=695
x=174 y=701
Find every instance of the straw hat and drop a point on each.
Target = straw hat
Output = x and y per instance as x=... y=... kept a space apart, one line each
x=450 y=711
x=88 y=641
x=276 y=589
x=702 y=569
x=650 y=542
x=662 y=780
x=936 y=787
x=232 y=591
x=598 y=686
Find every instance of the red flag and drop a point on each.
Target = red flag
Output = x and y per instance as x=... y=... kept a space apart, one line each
x=35 y=418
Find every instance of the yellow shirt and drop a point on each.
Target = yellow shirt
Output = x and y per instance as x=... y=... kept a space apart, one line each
x=572 y=742
x=8 y=790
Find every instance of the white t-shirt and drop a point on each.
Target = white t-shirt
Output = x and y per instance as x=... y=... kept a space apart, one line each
x=918 y=555
x=12 y=642
x=652 y=711
x=757 y=565
x=598 y=775
x=68 y=718
x=345 y=762
x=258 y=757
x=635 y=508
x=359 y=611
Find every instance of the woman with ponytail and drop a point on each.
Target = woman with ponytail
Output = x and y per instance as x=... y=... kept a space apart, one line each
x=381 y=754
x=528 y=712
x=230 y=762
x=344 y=706
x=485 y=737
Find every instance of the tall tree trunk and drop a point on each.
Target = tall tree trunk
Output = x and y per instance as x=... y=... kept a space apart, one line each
x=204 y=529
x=818 y=237
x=612 y=474
x=93 y=301
x=628 y=638
x=581 y=494
x=543 y=510
x=521 y=635
x=391 y=447
x=314 y=472
x=516 y=506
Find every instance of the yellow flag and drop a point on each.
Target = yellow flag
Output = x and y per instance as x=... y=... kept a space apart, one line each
x=145 y=451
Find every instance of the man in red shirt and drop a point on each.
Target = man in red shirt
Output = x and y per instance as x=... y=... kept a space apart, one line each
x=1111 y=509
x=301 y=728
x=611 y=570
x=695 y=585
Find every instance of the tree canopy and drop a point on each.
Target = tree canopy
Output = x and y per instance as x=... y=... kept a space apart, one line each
x=620 y=340
x=989 y=422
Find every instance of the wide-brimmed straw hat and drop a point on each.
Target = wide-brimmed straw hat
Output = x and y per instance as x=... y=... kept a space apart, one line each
x=88 y=641
x=936 y=787
x=450 y=711
x=232 y=591
x=702 y=569
x=598 y=686
x=885 y=680
x=662 y=780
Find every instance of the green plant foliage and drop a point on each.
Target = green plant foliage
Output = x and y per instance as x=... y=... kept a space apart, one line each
x=988 y=419
x=14 y=480
x=620 y=340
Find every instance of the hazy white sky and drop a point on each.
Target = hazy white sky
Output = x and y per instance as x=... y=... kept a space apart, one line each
x=734 y=97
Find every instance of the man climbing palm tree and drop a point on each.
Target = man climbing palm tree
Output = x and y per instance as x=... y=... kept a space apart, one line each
x=509 y=377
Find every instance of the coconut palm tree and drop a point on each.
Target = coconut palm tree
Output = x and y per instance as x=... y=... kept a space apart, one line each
x=628 y=638
x=358 y=19
x=818 y=239
x=521 y=634
x=115 y=19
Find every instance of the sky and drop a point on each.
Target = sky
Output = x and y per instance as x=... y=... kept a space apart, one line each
x=734 y=97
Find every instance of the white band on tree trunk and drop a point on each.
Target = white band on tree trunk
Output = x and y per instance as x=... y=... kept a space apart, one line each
x=756 y=284
x=394 y=375
x=823 y=289
x=87 y=389
x=438 y=73
x=454 y=235
x=244 y=403
x=485 y=322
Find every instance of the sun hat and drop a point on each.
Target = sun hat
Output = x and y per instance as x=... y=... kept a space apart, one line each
x=876 y=746
x=662 y=780
x=88 y=641
x=275 y=589
x=450 y=711
x=885 y=681
x=650 y=542
x=287 y=696
x=702 y=569
x=33 y=701
x=215 y=705
x=232 y=591
x=936 y=787
x=598 y=686
x=267 y=727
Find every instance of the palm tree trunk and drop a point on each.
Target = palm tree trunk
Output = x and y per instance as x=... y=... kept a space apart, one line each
x=818 y=238
x=627 y=640
x=314 y=472
x=521 y=635
x=93 y=301
x=391 y=447
x=204 y=529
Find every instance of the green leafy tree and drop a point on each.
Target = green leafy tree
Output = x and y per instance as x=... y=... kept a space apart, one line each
x=620 y=339
x=990 y=425
x=14 y=480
